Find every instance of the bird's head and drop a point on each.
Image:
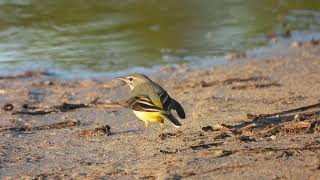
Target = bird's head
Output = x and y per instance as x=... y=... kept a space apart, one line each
x=135 y=79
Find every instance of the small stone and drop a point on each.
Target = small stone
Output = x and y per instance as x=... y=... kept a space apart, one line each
x=297 y=117
x=207 y=128
x=25 y=106
x=273 y=137
x=296 y=44
x=48 y=83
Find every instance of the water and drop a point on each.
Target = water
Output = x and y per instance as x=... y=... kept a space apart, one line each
x=92 y=37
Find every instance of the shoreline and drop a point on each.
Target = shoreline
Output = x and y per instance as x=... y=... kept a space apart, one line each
x=46 y=137
x=285 y=46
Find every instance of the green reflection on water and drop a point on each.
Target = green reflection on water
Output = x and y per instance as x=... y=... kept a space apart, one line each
x=114 y=35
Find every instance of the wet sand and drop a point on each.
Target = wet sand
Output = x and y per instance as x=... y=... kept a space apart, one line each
x=235 y=126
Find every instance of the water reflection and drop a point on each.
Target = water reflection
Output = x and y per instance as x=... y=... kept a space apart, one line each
x=115 y=35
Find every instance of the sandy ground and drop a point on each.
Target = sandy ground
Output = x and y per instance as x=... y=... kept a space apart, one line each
x=42 y=137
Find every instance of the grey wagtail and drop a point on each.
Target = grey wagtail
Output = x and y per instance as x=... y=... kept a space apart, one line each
x=150 y=102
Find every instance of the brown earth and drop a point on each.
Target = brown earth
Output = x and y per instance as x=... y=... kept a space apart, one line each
x=235 y=126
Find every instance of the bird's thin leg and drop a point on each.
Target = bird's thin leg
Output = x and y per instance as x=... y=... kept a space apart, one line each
x=146 y=128
x=162 y=126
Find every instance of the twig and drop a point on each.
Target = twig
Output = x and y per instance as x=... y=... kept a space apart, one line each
x=64 y=107
x=259 y=116
x=255 y=86
x=36 y=112
x=274 y=149
x=232 y=80
x=59 y=125
x=255 y=78
x=205 y=146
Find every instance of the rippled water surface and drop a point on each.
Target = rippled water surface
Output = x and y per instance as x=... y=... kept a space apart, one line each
x=111 y=35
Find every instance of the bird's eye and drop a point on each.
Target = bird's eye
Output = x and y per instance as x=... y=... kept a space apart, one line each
x=130 y=79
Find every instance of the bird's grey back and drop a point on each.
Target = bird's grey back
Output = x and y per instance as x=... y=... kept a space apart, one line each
x=148 y=88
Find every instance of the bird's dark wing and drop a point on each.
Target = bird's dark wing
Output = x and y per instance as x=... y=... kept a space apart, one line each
x=169 y=103
x=165 y=100
x=143 y=103
x=177 y=106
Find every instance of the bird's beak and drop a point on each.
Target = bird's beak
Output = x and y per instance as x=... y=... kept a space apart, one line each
x=122 y=78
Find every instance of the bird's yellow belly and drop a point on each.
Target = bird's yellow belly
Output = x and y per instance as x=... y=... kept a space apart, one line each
x=149 y=116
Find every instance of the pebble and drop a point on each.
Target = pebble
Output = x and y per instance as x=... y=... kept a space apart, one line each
x=273 y=138
x=296 y=44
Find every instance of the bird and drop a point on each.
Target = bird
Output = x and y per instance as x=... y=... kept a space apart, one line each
x=150 y=102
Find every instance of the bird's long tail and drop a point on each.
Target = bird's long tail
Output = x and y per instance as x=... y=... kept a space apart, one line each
x=176 y=106
x=172 y=119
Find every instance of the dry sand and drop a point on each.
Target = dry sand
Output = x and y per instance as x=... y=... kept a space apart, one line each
x=39 y=138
